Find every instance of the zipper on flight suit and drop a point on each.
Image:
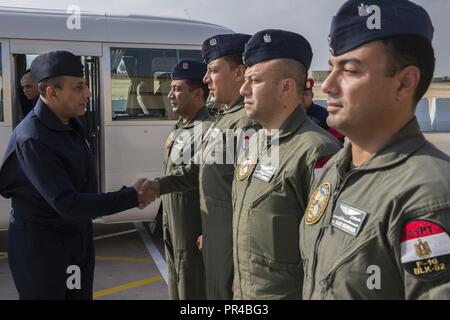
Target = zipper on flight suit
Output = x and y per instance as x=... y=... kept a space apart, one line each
x=336 y=195
x=237 y=236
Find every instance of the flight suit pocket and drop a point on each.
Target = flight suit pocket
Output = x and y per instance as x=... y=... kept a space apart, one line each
x=274 y=234
x=276 y=187
x=326 y=283
x=365 y=270
x=274 y=279
x=274 y=225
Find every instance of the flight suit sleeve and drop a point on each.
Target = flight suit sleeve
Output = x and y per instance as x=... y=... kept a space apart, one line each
x=307 y=171
x=185 y=180
x=187 y=177
x=423 y=252
x=47 y=174
x=301 y=183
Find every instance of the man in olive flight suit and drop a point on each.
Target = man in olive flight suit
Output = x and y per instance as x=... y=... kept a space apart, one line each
x=377 y=222
x=271 y=185
x=181 y=210
x=220 y=145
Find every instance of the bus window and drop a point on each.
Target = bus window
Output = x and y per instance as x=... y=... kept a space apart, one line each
x=1 y=88
x=190 y=54
x=140 y=80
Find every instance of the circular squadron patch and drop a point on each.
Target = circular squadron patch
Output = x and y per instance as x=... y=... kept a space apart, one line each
x=425 y=249
x=245 y=169
x=318 y=203
x=169 y=141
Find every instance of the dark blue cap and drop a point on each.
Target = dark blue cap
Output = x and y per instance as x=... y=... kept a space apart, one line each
x=189 y=70
x=56 y=63
x=357 y=23
x=223 y=45
x=274 y=44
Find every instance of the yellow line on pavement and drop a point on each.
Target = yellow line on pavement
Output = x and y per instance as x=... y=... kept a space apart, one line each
x=126 y=286
x=102 y=258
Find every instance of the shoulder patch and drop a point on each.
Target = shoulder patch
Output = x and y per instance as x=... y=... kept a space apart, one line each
x=318 y=203
x=246 y=168
x=425 y=249
x=169 y=141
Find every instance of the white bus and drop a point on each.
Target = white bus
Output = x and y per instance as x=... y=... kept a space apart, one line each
x=127 y=62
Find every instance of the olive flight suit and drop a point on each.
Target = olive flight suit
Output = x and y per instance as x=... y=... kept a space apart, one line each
x=181 y=214
x=269 y=200
x=214 y=182
x=380 y=230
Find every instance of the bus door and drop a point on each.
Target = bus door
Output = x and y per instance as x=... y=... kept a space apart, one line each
x=91 y=120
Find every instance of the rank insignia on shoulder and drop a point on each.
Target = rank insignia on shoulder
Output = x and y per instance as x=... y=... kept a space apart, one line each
x=169 y=141
x=425 y=249
x=245 y=169
x=318 y=203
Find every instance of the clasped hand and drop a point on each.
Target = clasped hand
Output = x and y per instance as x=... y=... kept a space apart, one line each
x=147 y=190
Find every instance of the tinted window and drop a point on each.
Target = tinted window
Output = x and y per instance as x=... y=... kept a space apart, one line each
x=140 y=81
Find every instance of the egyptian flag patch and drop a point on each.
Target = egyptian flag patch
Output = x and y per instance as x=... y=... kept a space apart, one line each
x=425 y=249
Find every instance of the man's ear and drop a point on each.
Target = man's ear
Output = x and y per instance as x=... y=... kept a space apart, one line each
x=50 y=93
x=287 y=86
x=239 y=73
x=407 y=82
x=198 y=93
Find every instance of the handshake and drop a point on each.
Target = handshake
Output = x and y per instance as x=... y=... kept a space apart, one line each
x=147 y=190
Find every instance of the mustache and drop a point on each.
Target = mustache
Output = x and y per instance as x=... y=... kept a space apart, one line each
x=334 y=101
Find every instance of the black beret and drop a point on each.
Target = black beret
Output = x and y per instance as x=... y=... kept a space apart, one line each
x=56 y=63
x=358 y=23
x=274 y=44
x=223 y=45
x=189 y=70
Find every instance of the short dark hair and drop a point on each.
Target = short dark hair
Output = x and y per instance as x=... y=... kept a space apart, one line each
x=28 y=74
x=234 y=60
x=196 y=84
x=52 y=81
x=290 y=68
x=411 y=50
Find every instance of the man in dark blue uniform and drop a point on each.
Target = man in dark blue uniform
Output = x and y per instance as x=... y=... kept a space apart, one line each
x=315 y=113
x=30 y=90
x=49 y=174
